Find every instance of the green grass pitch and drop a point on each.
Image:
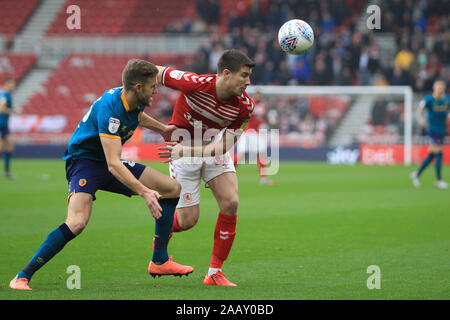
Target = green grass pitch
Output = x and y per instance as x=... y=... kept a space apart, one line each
x=310 y=236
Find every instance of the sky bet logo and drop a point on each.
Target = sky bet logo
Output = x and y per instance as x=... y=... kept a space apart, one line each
x=342 y=155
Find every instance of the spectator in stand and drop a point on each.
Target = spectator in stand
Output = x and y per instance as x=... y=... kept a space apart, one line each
x=404 y=58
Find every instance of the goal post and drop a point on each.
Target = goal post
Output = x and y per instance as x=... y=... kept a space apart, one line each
x=366 y=95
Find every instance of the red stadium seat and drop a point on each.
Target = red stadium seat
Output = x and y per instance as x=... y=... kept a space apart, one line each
x=15 y=65
x=80 y=79
x=14 y=14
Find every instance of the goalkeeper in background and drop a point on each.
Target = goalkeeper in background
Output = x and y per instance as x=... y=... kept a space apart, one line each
x=437 y=107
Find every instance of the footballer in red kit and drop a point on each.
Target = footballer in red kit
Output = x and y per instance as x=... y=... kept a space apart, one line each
x=253 y=141
x=217 y=107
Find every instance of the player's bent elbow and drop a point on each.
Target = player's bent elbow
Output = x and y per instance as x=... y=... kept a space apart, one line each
x=113 y=167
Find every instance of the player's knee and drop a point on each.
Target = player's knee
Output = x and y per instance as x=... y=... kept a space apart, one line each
x=230 y=205
x=188 y=222
x=173 y=190
x=76 y=225
x=176 y=190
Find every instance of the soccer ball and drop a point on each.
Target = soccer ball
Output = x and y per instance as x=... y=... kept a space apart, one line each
x=295 y=37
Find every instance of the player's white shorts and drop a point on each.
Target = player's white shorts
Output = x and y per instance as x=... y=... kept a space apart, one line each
x=190 y=171
x=252 y=142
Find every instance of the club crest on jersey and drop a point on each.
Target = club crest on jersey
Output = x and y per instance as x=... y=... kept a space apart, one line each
x=114 y=125
x=176 y=74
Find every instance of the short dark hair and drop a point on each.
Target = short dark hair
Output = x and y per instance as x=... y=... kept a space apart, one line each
x=234 y=60
x=137 y=71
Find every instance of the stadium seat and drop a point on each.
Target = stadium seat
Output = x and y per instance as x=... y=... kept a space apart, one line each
x=14 y=14
x=15 y=66
x=81 y=78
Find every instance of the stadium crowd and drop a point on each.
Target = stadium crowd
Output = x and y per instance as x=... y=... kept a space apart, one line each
x=343 y=54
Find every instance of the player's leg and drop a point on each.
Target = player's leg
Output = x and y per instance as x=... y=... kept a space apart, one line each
x=170 y=191
x=78 y=213
x=241 y=150
x=2 y=144
x=169 y=188
x=8 y=147
x=188 y=174
x=84 y=178
x=437 y=150
x=225 y=190
x=426 y=162
x=185 y=218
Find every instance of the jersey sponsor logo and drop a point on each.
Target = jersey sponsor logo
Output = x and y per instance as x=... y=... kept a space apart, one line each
x=244 y=125
x=114 y=125
x=82 y=182
x=176 y=74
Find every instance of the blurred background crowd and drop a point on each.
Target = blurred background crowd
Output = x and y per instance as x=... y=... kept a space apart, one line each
x=411 y=48
x=346 y=52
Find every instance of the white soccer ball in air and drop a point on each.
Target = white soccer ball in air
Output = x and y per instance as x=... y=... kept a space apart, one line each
x=295 y=36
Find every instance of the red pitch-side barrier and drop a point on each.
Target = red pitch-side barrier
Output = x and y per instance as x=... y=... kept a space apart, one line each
x=369 y=154
x=394 y=154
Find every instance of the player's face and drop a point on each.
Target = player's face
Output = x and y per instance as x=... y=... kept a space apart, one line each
x=439 y=88
x=145 y=92
x=239 y=81
x=10 y=85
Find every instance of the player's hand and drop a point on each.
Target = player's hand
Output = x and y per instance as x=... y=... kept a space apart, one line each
x=171 y=151
x=167 y=132
x=151 y=200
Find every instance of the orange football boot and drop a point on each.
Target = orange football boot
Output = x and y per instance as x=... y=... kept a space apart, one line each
x=169 y=268
x=19 y=284
x=218 y=279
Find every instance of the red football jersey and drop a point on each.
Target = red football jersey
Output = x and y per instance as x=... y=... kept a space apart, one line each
x=198 y=105
x=257 y=117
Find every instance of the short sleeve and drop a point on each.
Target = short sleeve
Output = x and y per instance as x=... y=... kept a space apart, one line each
x=108 y=123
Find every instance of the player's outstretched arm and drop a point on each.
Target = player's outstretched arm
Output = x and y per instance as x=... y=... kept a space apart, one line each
x=174 y=150
x=150 y=123
x=113 y=150
x=3 y=108
x=421 y=114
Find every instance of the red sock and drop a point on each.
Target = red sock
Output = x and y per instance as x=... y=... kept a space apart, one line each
x=223 y=239
x=262 y=168
x=176 y=226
